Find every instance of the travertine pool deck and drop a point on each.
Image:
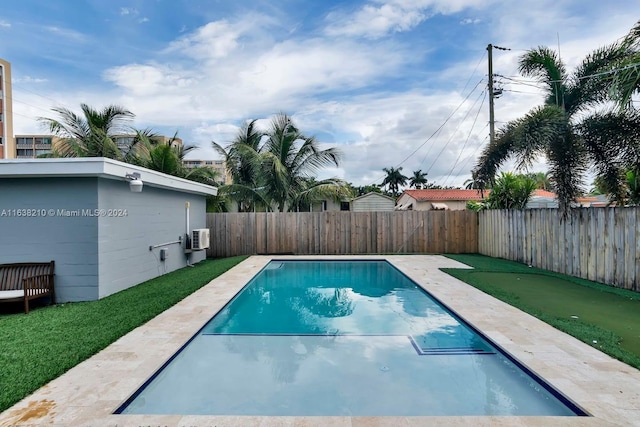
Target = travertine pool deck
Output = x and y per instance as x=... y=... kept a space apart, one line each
x=88 y=394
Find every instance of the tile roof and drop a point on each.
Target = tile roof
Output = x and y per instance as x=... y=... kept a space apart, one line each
x=544 y=193
x=454 y=194
x=461 y=194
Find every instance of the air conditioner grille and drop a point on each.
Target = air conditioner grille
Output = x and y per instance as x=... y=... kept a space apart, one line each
x=200 y=239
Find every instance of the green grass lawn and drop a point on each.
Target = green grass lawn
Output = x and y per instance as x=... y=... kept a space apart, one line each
x=604 y=317
x=40 y=346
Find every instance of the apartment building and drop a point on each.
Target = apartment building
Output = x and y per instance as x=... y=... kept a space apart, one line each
x=33 y=146
x=7 y=146
x=124 y=141
x=218 y=165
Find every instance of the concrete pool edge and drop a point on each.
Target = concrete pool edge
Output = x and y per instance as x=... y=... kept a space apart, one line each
x=88 y=394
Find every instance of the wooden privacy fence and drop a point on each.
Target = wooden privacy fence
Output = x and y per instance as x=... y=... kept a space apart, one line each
x=334 y=233
x=599 y=244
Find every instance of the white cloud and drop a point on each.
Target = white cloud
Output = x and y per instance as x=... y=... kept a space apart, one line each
x=66 y=33
x=128 y=11
x=374 y=22
x=470 y=21
x=29 y=79
x=149 y=80
x=381 y=17
x=224 y=80
x=5 y=24
x=214 y=40
x=143 y=20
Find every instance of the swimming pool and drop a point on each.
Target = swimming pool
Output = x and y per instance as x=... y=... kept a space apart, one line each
x=341 y=338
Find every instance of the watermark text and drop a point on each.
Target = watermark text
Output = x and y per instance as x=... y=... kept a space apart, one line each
x=63 y=213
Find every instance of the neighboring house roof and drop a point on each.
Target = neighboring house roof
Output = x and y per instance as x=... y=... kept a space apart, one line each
x=544 y=193
x=599 y=201
x=373 y=193
x=454 y=194
x=462 y=194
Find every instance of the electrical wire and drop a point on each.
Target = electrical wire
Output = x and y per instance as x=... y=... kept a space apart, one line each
x=474 y=71
x=13 y=99
x=452 y=135
x=40 y=95
x=434 y=133
x=10 y=110
x=519 y=91
x=524 y=83
x=602 y=73
x=444 y=183
x=466 y=162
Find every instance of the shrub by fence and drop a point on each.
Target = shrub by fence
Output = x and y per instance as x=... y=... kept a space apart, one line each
x=337 y=233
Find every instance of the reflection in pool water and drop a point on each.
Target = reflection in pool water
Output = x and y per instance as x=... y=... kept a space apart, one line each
x=341 y=338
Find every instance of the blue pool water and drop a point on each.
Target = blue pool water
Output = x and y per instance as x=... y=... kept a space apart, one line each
x=341 y=338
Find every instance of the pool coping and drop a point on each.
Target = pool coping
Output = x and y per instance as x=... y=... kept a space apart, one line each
x=88 y=394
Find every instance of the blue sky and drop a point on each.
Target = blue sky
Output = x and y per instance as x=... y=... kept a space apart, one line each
x=376 y=78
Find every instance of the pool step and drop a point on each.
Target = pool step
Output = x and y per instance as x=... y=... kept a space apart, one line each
x=430 y=351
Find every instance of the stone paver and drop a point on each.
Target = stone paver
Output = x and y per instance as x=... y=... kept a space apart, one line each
x=88 y=394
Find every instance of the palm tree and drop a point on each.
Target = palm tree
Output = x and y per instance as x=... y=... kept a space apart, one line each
x=541 y=180
x=242 y=161
x=167 y=158
x=418 y=179
x=288 y=159
x=90 y=134
x=564 y=131
x=472 y=184
x=394 y=179
x=275 y=168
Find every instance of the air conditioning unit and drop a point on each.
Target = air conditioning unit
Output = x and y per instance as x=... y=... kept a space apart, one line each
x=199 y=239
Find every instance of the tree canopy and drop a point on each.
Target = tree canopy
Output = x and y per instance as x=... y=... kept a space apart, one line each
x=277 y=168
x=394 y=180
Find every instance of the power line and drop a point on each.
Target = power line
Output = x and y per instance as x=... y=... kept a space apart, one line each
x=41 y=96
x=452 y=135
x=464 y=165
x=602 y=73
x=474 y=71
x=519 y=91
x=430 y=147
x=466 y=140
x=445 y=122
x=17 y=114
x=515 y=81
x=13 y=99
x=436 y=131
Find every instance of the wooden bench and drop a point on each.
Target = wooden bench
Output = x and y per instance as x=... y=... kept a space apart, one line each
x=26 y=281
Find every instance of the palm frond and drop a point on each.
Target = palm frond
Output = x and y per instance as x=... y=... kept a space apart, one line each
x=590 y=84
x=544 y=64
x=612 y=140
x=239 y=193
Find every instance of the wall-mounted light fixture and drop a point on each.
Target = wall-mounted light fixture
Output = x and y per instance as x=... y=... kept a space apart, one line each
x=135 y=185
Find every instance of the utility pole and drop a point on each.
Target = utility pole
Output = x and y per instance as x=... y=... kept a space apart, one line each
x=492 y=130
x=492 y=93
